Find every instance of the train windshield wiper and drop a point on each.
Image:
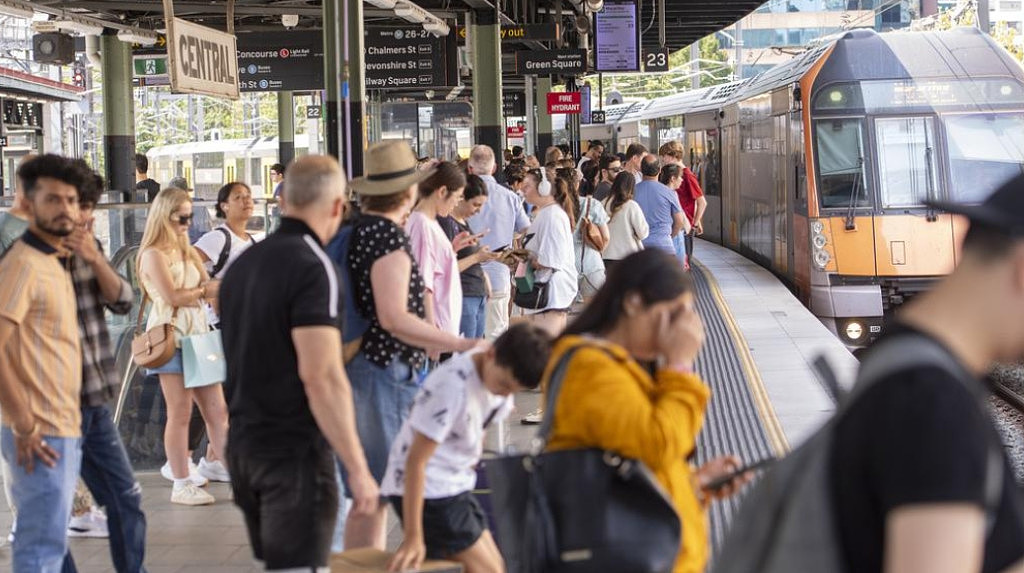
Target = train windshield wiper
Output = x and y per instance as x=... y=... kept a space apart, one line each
x=857 y=186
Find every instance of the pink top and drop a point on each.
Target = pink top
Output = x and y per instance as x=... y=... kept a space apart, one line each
x=439 y=267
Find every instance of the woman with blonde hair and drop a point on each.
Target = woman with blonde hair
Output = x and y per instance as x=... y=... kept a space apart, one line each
x=172 y=275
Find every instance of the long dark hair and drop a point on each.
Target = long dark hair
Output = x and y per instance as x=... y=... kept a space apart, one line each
x=447 y=175
x=651 y=273
x=622 y=192
x=475 y=187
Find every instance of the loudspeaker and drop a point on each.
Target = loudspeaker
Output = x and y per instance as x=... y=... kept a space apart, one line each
x=53 y=48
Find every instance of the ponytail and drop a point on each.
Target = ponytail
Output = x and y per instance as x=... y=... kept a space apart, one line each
x=564 y=197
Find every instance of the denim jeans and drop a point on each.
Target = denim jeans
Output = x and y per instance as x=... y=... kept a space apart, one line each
x=473 y=314
x=382 y=399
x=43 y=499
x=108 y=473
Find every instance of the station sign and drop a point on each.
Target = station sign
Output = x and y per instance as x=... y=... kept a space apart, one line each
x=520 y=32
x=280 y=61
x=564 y=103
x=597 y=117
x=547 y=62
x=513 y=104
x=656 y=60
x=617 y=37
x=202 y=60
x=150 y=66
x=409 y=58
x=515 y=132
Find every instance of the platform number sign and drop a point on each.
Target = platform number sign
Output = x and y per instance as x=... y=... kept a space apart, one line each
x=3 y=141
x=314 y=112
x=656 y=61
x=597 y=117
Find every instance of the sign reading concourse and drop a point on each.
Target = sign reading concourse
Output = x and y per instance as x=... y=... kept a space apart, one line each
x=202 y=60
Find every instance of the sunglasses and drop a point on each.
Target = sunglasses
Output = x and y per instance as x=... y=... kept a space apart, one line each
x=615 y=170
x=182 y=219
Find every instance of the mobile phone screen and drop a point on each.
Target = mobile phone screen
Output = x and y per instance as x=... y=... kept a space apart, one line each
x=719 y=483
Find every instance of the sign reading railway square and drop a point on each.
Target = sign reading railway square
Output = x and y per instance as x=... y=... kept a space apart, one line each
x=547 y=62
x=409 y=57
x=202 y=60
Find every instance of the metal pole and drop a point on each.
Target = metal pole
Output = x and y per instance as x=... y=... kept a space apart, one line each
x=485 y=38
x=661 y=23
x=332 y=77
x=984 y=17
x=695 y=65
x=118 y=116
x=354 y=89
x=285 y=127
x=738 y=42
x=531 y=118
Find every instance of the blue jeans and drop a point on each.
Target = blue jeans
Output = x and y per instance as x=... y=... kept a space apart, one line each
x=108 y=473
x=473 y=313
x=382 y=399
x=679 y=243
x=43 y=499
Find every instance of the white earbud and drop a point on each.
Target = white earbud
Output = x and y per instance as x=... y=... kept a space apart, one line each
x=544 y=187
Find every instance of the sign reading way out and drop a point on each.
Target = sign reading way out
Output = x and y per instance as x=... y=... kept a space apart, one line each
x=202 y=60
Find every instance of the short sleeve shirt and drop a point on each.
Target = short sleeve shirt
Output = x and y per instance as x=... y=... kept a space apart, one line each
x=550 y=241
x=439 y=267
x=502 y=216
x=587 y=259
x=473 y=277
x=918 y=437
x=372 y=239
x=212 y=245
x=282 y=283
x=451 y=409
x=659 y=204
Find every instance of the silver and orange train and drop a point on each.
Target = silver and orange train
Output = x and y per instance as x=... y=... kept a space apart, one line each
x=819 y=168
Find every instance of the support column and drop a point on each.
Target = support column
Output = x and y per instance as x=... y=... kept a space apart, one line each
x=354 y=90
x=545 y=139
x=285 y=127
x=118 y=116
x=332 y=77
x=487 y=117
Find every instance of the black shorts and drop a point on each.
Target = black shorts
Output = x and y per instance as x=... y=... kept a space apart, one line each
x=451 y=525
x=290 y=505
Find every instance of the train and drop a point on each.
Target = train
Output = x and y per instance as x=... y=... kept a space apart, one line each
x=819 y=168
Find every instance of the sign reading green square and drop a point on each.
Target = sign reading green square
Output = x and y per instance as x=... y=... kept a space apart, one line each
x=155 y=66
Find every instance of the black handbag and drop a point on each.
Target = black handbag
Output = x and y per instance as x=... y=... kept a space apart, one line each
x=577 y=511
x=533 y=299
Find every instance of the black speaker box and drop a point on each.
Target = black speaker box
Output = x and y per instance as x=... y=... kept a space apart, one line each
x=53 y=48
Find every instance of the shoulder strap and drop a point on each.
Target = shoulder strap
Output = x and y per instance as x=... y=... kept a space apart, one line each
x=553 y=389
x=225 y=252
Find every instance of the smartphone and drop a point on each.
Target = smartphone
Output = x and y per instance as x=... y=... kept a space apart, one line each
x=719 y=483
x=502 y=249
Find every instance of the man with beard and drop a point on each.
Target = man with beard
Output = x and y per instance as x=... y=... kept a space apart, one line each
x=41 y=366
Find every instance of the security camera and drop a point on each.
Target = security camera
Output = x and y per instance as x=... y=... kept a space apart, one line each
x=290 y=20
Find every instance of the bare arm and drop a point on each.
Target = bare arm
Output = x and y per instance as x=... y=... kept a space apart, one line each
x=155 y=268
x=389 y=278
x=412 y=552
x=318 y=350
x=935 y=538
x=701 y=205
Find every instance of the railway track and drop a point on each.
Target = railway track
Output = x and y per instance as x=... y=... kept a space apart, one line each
x=1010 y=395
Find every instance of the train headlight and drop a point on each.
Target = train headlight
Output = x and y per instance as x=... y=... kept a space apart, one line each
x=1006 y=90
x=854 y=330
x=822 y=258
x=819 y=241
x=817 y=227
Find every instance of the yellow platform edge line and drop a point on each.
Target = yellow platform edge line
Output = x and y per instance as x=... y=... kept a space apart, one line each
x=769 y=419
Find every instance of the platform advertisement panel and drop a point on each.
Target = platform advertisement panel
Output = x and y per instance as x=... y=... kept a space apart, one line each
x=617 y=37
x=202 y=60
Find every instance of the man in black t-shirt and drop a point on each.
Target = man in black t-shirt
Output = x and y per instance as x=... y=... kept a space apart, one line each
x=142 y=180
x=909 y=467
x=289 y=401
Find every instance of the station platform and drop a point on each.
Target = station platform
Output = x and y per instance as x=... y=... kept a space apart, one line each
x=757 y=359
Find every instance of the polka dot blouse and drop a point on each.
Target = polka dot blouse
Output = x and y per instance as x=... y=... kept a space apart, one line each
x=373 y=238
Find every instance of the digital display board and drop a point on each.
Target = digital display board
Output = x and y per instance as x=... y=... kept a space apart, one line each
x=617 y=37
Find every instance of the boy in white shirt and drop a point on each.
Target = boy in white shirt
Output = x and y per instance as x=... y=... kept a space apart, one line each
x=431 y=471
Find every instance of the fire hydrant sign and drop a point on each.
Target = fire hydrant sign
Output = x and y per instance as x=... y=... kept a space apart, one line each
x=202 y=60
x=564 y=103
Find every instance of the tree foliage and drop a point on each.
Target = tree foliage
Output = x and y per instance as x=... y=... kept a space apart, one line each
x=714 y=69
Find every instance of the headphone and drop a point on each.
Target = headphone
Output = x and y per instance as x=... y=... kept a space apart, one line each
x=544 y=187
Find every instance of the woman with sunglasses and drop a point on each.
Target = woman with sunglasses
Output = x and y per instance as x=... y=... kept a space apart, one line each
x=172 y=275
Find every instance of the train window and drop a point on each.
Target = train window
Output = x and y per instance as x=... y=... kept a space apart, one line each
x=985 y=150
x=906 y=160
x=841 y=163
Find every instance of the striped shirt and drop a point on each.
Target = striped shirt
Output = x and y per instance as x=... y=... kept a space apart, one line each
x=44 y=355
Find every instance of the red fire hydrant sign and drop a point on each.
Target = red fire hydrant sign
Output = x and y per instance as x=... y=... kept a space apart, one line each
x=564 y=103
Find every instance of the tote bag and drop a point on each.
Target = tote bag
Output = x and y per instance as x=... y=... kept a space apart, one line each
x=203 y=359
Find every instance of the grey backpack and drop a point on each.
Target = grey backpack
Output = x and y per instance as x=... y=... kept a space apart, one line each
x=788 y=523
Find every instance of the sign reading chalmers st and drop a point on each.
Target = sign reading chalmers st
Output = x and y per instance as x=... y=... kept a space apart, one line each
x=202 y=60
x=547 y=62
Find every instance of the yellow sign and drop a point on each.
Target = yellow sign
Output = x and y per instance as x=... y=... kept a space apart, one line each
x=202 y=60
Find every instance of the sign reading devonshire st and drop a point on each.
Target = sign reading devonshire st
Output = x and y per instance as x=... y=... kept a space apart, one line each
x=280 y=61
x=409 y=57
x=547 y=62
x=202 y=60
x=564 y=103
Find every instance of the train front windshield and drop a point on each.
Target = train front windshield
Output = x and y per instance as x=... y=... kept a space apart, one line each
x=985 y=150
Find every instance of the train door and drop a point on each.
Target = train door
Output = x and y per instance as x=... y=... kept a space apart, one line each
x=730 y=178
x=781 y=227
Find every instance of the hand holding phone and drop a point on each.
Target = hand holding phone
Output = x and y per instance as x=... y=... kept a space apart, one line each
x=719 y=483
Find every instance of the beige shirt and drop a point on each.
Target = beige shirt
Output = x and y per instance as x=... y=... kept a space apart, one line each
x=190 y=319
x=44 y=355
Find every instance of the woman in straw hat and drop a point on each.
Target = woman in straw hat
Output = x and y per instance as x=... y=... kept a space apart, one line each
x=390 y=295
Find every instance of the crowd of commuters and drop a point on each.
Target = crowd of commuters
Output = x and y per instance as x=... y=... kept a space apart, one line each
x=389 y=321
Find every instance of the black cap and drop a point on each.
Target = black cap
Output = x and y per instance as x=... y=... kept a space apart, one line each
x=1003 y=210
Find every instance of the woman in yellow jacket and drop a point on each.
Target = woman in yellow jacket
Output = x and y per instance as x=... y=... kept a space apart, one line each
x=644 y=312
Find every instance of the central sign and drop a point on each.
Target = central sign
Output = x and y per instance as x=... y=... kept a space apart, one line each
x=564 y=103
x=202 y=60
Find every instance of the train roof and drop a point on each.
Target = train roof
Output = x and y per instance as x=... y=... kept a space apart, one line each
x=239 y=146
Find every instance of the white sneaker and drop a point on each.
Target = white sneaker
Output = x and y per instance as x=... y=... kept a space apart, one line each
x=193 y=474
x=92 y=524
x=533 y=418
x=213 y=471
x=189 y=494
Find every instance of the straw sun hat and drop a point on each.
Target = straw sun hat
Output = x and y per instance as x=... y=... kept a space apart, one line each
x=390 y=167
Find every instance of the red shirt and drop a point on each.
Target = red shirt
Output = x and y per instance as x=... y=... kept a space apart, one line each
x=689 y=191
